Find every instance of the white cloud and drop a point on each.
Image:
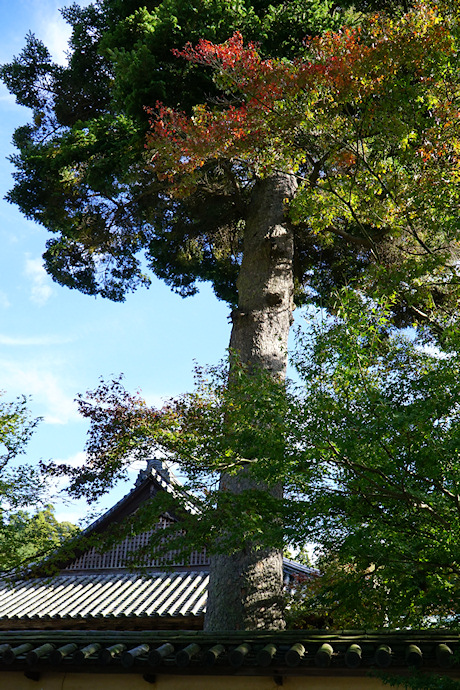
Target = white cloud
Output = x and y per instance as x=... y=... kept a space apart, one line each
x=66 y=515
x=34 y=340
x=54 y=33
x=155 y=400
x=75 y=460
x=41 y=289
x=60 y=484
x=137 y=466
x=51 y=27
x=62 y=408
x=4 y=301
x=37 y=380
x=76 y=510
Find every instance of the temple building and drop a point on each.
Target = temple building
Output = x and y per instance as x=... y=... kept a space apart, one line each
x=98 y=624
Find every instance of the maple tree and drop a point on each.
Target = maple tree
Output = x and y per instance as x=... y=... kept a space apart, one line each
x=365 y=442
x=367 y=121
x=359 y=138
x=359 y=135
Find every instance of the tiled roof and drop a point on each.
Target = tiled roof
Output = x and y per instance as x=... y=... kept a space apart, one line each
x=111 y=595
x=159 y=481
x=99 y=590
x=85 y=558
x=286 y=653
x=108 y=595
x=294 y=569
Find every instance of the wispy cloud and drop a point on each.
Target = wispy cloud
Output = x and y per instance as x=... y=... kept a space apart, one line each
x=62 y=407
x=54 y=32
x=4 y=301
x=60 y=483
x=76 y=510
x=156 y=400
x=52 y=29
x=76 y=460
x=35 y=341
x=70 y=509
x=41 y=289
x=136 y=466
x=35 y=378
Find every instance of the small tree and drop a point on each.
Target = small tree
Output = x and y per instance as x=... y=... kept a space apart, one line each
x=20 y=485
x=25 y=537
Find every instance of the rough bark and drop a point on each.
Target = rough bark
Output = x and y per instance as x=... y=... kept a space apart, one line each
x=245 y=589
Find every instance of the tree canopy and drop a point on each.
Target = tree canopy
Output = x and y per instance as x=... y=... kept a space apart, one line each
x=20 y=485
x=81 y=164
x=25 y=536
x=377 y=428
x=367 y=120
x=366 y=446
x=83 y=172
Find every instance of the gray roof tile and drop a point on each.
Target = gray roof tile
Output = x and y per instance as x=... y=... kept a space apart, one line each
x=111 y=595
x=295 y=652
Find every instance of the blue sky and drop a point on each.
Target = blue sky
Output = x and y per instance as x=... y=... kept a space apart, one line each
x=54 y=342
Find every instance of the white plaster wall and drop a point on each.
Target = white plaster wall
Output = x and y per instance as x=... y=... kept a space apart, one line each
x=89 y=681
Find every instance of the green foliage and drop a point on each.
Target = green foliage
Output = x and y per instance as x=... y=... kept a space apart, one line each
x=395 y=7
x=379 y=424
x=301 y=555
x=367 y=120
x=216 y=428
x=20 y=485
x=25 y=537
x=16 y=427
x=82 y=171
x=367 y=446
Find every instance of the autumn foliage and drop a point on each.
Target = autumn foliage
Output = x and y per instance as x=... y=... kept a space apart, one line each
x=356 y=75
x=368 y=120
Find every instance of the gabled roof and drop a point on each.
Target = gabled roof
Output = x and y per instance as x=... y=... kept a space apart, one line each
x=99 y=591
x=148 y=483
x=78 y=556
x=132 y=601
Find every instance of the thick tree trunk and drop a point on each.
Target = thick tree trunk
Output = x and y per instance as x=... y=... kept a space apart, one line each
x=245 y=589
